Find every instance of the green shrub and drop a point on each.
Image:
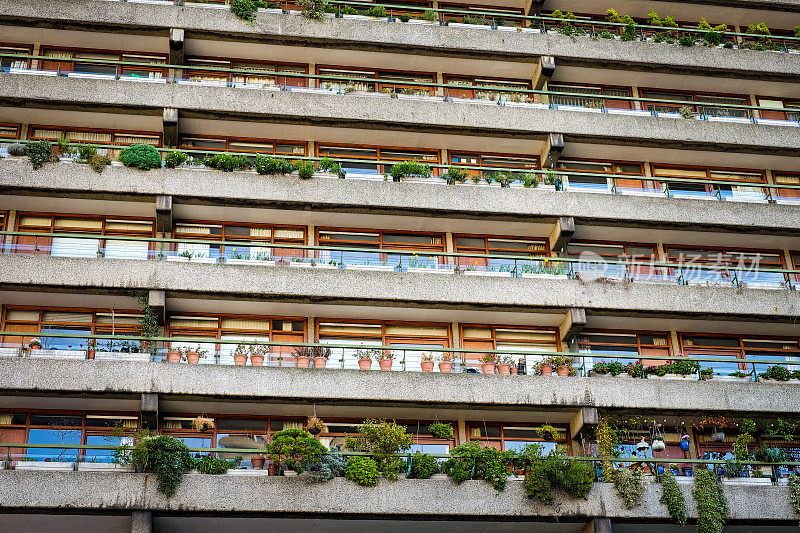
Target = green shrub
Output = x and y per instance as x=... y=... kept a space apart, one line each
x=167 y=457
x=683 y=368
x=797 y=31
x=404 y=18
x=672 y=497
x=314 y=9
x=273 y=165
x=143 y=156
x=794 y=492
x=470 y=461
x=213 y=465
x=430 y=15
x=423 y=465
x=777 y=373
x=362 y=470
x=578 y=479
x=410 y=168
x=39 y=153
x=713 y=38
x=330 y=466
x=759 y=29
x=653 y=19
x=175 y=158
x=629 y=34
x=85 y=152
x=629 y=486
x=555 y=470
x=294 y=448
x=244 y=9
x=16 y=149
x=326 y=164
x=441 y=431
x=686 y=40
x=99 y=162
x=456 y=175
x=305 y=169
x=712 y=507
x=530 y=180
x=227 y=162
x=377 y=11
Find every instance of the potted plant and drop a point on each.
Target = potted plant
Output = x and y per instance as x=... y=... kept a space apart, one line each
x=385 y=359
x=34 y=344
x=202 y=424
x=707 y=373
x=426 y=362
x=642 y=446
x=545 y=366
x=563 y=364
x=90 y=349
x=302 y=355
x=488 y=361
x=504 y=365
x=680 y=369
x=658 y=444
x=446 y=361
x=364 y=358
x=514 y=369
x=175 y=354
x=320 y=355
x=193 y=356
x=776 y=373
x=258 y=462
x=548 y=433
x=684 y=443
x=315 y=426
x=612 y=368
x=257 y=352
x=293 y=448
x=240 y=355
x=441 y=431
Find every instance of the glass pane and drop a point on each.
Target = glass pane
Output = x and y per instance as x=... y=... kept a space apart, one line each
x=54 y=436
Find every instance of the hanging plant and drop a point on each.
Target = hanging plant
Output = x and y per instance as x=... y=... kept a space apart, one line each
x=202 y=424
x=718 y=436
x=672 y=497
x=658 y=444
x=548 y=433
x=316 y=426
x=441 y=431
x=712 y=507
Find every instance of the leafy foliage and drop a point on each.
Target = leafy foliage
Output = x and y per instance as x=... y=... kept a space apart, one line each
x=672 y=497
x=305 y=169
x=377 y=11
x=683 y=368
x=227 y=162
x=143 y=156
x=148 y=323
x=244 y=9
x=455 y=174
x=273 y=165
x=165 y=456
x=326 y=164
x=175 y=158
x=330 y=466
x=213 y=465
x=383 y=439
x=16 y=149
x=712 y=507
x=614 y=368
x=554 y=471
x=39 y=153
x=423 y=465
x=314 y=9
x=794 y=492
x=410 y=168
x=629 y=486
x=777 y=373
x=441 y=431
x=362 y=470
x=99 y=162
x=294 y=448
x=471 y=461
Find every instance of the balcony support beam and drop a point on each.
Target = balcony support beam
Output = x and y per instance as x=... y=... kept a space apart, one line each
x=551 y=151
x=164 y=214
x=562 y=233
x=176 y=49
x=573 y=323
x=597 y=525
x=157 y=300
x=585 y=418
x=170 y=127
x=545 y=68
x=149 y=411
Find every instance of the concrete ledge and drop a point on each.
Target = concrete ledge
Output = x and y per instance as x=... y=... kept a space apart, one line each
x=374 y=112
x=361 y=387
x=414 y=199
x=374 y=35
x=22 y=272
x=405 y=498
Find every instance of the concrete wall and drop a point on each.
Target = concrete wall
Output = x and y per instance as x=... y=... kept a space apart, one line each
x=376 y=111
x=177 y=381
x=228 y=493
x=429 y=200
x=394 y=289
x=404 y=38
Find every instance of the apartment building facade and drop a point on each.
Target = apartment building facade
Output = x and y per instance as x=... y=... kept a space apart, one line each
x=503 y=187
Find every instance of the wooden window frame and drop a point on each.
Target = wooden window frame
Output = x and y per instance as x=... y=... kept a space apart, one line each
x=563 y=430
x=113 y=132
x=11 y=125
x=228 y=140
x=228 y=76
x=723 y=350
x=119 y=53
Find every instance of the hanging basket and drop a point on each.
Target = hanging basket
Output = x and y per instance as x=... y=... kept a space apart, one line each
x=316 y=426
x=658 y=444
x=642 y=446
x=718 y=436
x=202 y=424
x=684 y=444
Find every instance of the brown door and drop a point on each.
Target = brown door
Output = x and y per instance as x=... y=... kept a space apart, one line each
x=657 y=352
x=33 y=245
x=473 y=359
x=283 y=355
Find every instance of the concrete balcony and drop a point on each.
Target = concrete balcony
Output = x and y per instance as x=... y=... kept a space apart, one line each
x=376 y=111
x=401 y=199
x=264 y=496
x=377 y=35
x=394 y=289
x=182 y=382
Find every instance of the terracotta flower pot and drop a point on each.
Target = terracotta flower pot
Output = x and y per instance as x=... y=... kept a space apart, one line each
x=385 y=364
x=563 y=371
x=258 y=462
x=365 y=364
x=320 y=362
x=488 y=368
x=547 y=370
x=446 y=367
x=272 y=469
x=303 y=361
x=257 y=360
x=90 y=354
x=427 y=366
x=504 y=369
x=239 y=359
x=514 y=371
x=174 y=356
x=192 y=358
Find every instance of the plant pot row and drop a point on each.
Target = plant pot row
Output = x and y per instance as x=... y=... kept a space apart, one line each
x=193 y=358
x=563 y=371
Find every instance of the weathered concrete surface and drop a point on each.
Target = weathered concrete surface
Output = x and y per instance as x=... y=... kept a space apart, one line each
x=25 y=375
x=429 y=200
x=376 y=35
x=378 y=112
x=406 y=498
x=394 y=289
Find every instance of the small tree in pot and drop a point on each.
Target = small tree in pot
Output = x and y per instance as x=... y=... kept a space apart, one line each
x=293 y=448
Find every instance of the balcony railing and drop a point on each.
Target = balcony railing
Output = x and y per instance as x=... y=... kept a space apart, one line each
x=738 y=274
x=408 y=89
x=345 y=354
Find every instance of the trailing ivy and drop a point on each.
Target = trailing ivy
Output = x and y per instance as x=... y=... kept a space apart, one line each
x=712 y=507
x=557 y=471
x=672 y=497
x=148 y=323
x=39 y=153
x=244 y=9
x=629 y=486
x=794 y=492
x=165 y=456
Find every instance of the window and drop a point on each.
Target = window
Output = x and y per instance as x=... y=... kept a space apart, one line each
x=391 y=80
x=505 y=161
x=8 y=63
x=595 y=96
x=490 y=88
x=487 y=337
x=512 y=437
x=409 y=339
x=727 y=190
x=238 y=231
x=385 y=154
x=577 y=177
x=258 y=146
x=731 y=265
x=427 y=243
x=263 y=72
x=95 y=136
x=785 y=103
x=594 y=255
x=108 y=226
x=707 y=106
x=787 y=178
x=423 y=441
x=234 y=328
x=69 y=60
x=9 y=131
x=491 y=245
x=739 y=347
x=623 y=343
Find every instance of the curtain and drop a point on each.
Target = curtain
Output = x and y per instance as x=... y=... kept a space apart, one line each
x=69 y=247
x=127 y=250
